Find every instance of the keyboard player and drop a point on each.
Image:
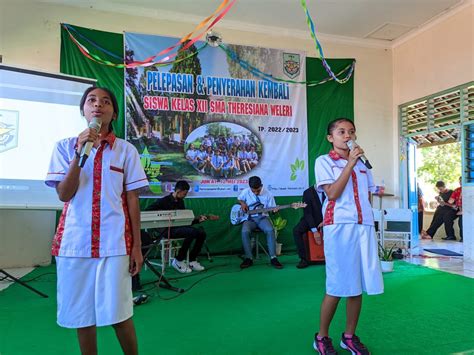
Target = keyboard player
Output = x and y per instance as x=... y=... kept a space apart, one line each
x=191 y=234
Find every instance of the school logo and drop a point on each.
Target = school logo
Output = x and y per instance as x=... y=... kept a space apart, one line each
x=291 y=64
x=8 y=130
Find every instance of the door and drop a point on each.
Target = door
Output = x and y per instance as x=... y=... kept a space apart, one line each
x=411 y=196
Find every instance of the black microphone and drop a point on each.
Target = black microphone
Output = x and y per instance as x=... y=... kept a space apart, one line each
x=351 y=144
x=95 y=123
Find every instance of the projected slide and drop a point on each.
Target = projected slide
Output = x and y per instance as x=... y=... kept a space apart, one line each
x=36 y=111
x=29 y=131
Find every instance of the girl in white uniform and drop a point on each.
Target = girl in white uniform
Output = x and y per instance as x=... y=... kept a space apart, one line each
x=350 y=245
x=97 y=244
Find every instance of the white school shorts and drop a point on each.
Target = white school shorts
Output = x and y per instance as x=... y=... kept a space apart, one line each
x=352 y=262
x=93 y=291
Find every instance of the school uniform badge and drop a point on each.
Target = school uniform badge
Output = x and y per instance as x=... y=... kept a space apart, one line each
x=8 y=130
x=291 y=64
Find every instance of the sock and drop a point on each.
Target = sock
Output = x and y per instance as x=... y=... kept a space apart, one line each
x=349 y=336
x=319 y=337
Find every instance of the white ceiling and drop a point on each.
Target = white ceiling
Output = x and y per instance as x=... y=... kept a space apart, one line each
x=371 y=21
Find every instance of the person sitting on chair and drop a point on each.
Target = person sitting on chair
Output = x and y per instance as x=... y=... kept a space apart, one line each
x=311 y=221
x=175 y=201
x=444 y=213
x=251 y=198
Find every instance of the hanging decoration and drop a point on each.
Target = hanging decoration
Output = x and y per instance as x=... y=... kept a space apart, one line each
x=215 y=40
x=258 y=73
x=187 y=40
x=326 y=66
x=99 y=60
x=212 y=39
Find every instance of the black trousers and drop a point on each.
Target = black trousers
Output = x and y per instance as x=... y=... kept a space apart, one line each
x=299 y=231
x=442 y=215
x=460 y=225
x=420 y=221
x=189 y=234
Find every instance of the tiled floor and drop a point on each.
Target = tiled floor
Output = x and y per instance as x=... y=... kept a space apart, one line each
x=451 y=264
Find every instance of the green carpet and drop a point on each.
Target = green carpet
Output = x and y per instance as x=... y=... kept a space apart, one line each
x=260 y=310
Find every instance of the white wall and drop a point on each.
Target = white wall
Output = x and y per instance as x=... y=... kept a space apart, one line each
x=25 y=238
x=440 y=57
x=468 y=222
x=436 y=59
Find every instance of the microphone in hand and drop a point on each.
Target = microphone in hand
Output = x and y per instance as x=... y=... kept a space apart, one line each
x=351 y=144
x=95 y=124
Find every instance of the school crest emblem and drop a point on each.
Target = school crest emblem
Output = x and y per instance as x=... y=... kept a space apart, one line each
x=291 y=64
x=8 y=130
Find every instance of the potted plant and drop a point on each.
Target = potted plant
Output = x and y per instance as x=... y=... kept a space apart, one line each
x=278 y=224
x=386 y=257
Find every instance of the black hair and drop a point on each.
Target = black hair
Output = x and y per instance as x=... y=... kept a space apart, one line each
x=112 y=98
x=182 y=185
x=440 y=184
x=333 y=123
x=255 y=182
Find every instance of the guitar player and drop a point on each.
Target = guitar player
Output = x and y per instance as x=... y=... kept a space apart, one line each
x=251 y=198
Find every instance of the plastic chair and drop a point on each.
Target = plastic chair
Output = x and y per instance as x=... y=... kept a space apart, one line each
x=378 y=221
x=397 y=227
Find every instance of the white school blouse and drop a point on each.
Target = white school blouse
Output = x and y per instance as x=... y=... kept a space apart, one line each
x=353 y=206
x=95 y=222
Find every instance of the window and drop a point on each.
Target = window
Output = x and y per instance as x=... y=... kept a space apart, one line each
x=469 y=154
x=438 y=118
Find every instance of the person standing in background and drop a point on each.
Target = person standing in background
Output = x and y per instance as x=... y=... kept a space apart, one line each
x=421 y=208
x=456 y=201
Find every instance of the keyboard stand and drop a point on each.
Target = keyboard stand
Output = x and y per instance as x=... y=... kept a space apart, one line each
x=162 y=280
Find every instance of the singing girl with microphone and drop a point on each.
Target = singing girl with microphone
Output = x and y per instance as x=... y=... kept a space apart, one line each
x=97 y=243
x=350 y=244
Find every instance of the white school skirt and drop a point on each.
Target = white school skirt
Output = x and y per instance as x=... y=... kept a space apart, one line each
x=352 y=262
x=93 y=291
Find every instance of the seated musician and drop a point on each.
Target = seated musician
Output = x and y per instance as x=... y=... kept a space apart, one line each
x=311 y=221
x=175 y=201
x=250 y=199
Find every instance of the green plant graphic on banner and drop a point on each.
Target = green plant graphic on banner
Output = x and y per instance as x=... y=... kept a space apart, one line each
x=152 y=170
x=298 y=165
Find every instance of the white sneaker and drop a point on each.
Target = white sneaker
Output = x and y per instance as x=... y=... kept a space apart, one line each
x=194 y=265
x=181 y=266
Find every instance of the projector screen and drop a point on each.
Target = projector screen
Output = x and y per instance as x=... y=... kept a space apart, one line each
x=36 y=110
